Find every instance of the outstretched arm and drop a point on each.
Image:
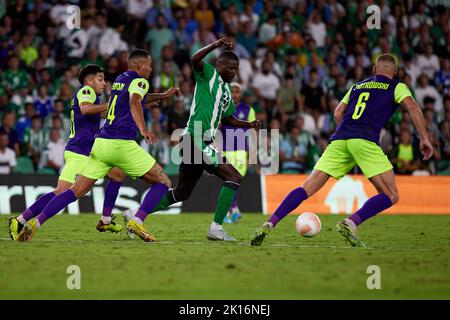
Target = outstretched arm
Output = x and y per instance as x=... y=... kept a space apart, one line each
x=169 y=93
x=197 y=58
x=232 y=121
x=419 y=122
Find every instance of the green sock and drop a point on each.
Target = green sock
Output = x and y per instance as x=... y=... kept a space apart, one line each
x=226 y=197
x=164 y=203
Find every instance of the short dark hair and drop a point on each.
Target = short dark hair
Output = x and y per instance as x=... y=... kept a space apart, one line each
x=138 y=53
x=88 y=70
x=228 y=55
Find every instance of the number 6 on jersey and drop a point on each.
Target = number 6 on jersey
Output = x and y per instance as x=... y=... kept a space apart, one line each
x=360 y=105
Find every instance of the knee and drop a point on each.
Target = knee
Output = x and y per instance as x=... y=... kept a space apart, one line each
x=394 y=198
x=234 y=177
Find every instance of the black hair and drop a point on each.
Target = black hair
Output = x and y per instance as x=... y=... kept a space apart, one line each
x=88 y=70
x=137 y=54
x=228 y=55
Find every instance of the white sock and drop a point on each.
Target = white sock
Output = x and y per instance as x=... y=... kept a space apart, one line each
x=216 y=226
x=106 y=220
x=351 y=223
x=136 y=219
x=38 y=224
x=21 y=219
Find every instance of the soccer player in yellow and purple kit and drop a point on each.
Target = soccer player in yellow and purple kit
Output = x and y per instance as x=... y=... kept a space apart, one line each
x=84 y=125
x=115 y=146
x=236 y=149
x=360 y=116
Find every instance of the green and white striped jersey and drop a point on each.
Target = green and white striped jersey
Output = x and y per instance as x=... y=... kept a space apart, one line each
x=212 y=101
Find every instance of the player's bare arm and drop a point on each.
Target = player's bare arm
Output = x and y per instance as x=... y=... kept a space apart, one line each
x=169 y=93
x=414 y=110
x=339 y=112
x=87 y=108
x=197 y=58
x=232 y=121
x=138 y=117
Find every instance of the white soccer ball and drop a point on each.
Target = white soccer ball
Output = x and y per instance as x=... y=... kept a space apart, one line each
x=308 y=225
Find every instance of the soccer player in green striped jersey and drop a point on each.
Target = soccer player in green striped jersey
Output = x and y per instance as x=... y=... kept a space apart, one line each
x=212 y=105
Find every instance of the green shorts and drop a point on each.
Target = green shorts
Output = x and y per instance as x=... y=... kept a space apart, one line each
x=123 y=154
x=238 y=159
x=341 y=156
x=74 y=165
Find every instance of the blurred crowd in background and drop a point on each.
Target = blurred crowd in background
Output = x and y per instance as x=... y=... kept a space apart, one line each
x=298 y=58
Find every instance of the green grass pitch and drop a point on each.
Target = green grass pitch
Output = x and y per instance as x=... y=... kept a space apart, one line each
x=412 y=253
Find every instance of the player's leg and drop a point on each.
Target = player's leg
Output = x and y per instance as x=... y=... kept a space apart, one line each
x=232 y=181
x=106 y=222
x=335 y=162
x=237 y=159
x=94 y=168
x=73 y=163
x=81 y=186
x=377 y=168
x=15 y=224
x=136 y=163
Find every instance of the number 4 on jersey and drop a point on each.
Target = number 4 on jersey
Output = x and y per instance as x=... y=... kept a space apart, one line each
x=111 y=110
x=360 y=105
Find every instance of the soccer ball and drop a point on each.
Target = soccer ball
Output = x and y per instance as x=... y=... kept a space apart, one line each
x=308 y=225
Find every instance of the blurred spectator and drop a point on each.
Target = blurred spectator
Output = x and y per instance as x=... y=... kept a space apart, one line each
x=57 y=111
x=20 y=98
x=424 y=89
x=265 y=83
x=204 y=15
x=15 y=77
x=268 y=29
x=54 y=153
x=7 y=156
x=8 y=124
x=34 y=139
x=317 y=28
x=159 y=7
x=43 y=103
x=405 y=155
x=158 y=37
x=288 y=97
x=28 y=52
x=178 y=116
x=58 y=125
x=312 y=94
x=442 y=78
x=111 y=42
x=294 y=150
x=428 y=62
x=166 y=78
x=25 y=121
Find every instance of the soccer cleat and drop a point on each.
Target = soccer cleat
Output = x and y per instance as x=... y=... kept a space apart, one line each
x=14 y=228
x=219 y=235
x=139 y=230
x=112 y=226
x=227 y=219
x=350 y=233
x=28 y=231
x=261 y=234
x=235 y=216
x=127 y=216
